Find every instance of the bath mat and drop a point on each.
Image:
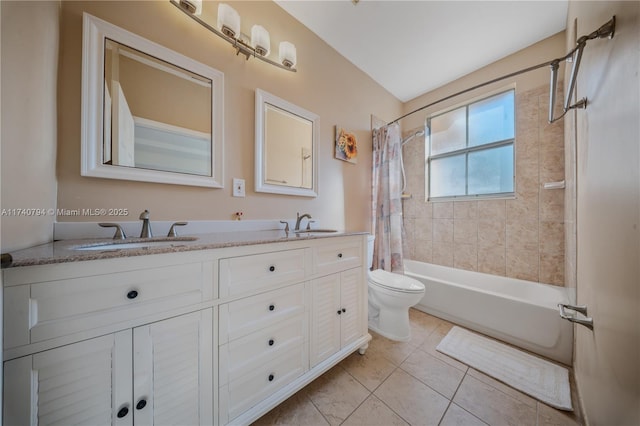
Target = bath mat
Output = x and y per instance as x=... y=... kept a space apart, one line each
x=529 y=374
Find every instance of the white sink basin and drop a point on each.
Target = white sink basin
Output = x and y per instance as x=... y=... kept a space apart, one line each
x=123 y=245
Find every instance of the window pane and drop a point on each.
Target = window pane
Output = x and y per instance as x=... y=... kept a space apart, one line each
x=491 y=120
x=491 y=170
x=447 y=176
x=449 y=131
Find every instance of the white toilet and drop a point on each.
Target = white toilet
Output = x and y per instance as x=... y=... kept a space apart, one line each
x=390 y=297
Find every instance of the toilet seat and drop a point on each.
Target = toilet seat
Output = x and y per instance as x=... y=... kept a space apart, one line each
x=395 y=282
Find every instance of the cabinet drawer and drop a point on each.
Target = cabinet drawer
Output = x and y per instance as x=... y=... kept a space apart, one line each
x=239 y=395
x=243 y=274
x=337 y=256
x=244 y=316
x=57 y=308
x=256 y=349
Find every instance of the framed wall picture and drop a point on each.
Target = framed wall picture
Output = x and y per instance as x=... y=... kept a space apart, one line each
x=346 y=145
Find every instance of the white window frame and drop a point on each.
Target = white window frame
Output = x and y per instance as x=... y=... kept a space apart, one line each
x=467 y=149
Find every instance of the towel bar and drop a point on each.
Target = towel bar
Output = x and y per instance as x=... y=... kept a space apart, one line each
x=587 y=321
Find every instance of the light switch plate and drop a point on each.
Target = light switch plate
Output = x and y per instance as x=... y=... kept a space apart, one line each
x=238 y=187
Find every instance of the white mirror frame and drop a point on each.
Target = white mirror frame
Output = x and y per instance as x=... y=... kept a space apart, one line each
x=261 y=185
x=95 y=31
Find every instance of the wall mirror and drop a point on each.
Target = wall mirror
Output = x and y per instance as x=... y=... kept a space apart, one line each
x=148 y=113
x=286 y=147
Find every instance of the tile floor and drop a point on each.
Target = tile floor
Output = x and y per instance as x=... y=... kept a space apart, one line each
x=411 y=383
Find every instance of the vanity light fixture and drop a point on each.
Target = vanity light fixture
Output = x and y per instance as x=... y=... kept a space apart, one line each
x=228 y=28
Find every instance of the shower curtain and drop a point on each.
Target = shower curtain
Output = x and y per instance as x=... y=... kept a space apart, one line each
x=386 y=204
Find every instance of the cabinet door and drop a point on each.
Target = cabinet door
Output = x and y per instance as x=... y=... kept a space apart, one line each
x=325 y=320
x=84 y=383
x=172 y=366
x=351 y=289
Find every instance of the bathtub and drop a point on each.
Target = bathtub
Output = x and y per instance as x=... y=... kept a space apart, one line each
x=522 y=313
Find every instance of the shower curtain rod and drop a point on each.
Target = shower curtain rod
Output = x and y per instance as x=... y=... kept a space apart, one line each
x=605 y=31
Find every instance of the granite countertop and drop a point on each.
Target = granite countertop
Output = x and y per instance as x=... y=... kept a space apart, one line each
x=65 y=250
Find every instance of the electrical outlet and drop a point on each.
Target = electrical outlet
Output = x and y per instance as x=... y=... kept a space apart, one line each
x=238 y=187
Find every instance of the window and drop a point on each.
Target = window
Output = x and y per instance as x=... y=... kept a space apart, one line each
x=470 y=149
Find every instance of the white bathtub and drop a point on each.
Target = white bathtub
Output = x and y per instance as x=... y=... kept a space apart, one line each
x=519 y=312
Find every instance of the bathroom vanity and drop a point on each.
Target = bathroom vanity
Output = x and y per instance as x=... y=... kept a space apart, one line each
x=211 y=331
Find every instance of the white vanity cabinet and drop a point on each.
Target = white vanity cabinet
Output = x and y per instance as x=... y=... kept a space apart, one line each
x=159 y=373
x=210 y=336
x=119 y=341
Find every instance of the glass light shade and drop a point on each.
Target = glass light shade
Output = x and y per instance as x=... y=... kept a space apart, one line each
x=260 y=40
x=228 y=20
x=193 y=6
x=288 y=54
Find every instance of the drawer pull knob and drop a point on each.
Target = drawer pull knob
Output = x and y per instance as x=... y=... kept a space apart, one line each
x=271 y=342
x=122 y=412
x=141 y=404
x=132 y=295
x=272 y=268
x=271 y=377
x=272 y=307
x=344 y=310
x=340 y=255
x=339 y=312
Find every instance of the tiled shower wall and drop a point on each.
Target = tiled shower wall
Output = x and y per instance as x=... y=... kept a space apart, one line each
x=519 y=238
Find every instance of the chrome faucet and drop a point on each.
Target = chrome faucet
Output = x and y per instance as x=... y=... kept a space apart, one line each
x=146 y=225
x=299 y=219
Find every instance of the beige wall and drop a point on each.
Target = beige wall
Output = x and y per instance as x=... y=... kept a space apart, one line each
x=29 y=78
x=607 y=138
x=325 y=84
x=522 y=237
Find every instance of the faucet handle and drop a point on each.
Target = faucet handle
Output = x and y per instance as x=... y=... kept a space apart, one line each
x=172 y=231
x=286 y=225
x=119 y=234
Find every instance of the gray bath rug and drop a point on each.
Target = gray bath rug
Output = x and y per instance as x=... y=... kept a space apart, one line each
x=534 y=376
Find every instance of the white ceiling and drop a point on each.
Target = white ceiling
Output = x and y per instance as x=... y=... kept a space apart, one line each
x=412 y=47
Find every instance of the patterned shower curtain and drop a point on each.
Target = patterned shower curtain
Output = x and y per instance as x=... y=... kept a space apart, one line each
x=386 y=204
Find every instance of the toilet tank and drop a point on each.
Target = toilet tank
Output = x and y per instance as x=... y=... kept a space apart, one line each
x=370 y=241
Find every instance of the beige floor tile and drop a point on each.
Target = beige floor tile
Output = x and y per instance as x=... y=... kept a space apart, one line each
x=548 y=416
x=297 y=410
x=429 y=346
x=514 y=393
x=336 y=394
x=373 y=412
x=436 y=374
x=411 y=399
x=396 y=352
x=491 y=405
x=456 y=416
x=370 y=369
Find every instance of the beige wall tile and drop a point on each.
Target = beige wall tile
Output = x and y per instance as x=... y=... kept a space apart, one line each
x=422 y=251
x=522 y=234
x=465 y=256
x=552 y=268
x=442 y=253
x=423 y=228
x=492 y=209
x=465 y=231
x=443 y=230
x=492 y=233
x=523 y=207
x=492 y=260
x=552 y=205
x=465 y=210
x=552 y=237
x=443 y=210
x=523 y=264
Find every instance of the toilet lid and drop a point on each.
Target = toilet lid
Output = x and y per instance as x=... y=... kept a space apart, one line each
x=395 y=282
